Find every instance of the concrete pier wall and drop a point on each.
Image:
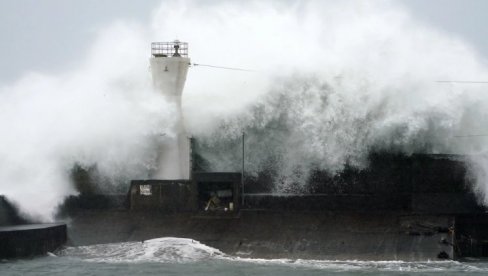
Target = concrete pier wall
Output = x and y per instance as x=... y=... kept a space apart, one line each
x=400 y=208
x=278 y=234
x=29 y=240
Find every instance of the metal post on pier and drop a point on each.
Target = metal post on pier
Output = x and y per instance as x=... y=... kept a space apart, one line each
x=242 y=171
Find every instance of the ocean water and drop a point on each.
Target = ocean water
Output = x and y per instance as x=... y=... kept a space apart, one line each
x=176 y=256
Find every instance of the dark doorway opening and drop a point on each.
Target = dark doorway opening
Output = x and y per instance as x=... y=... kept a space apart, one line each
x=216 y=196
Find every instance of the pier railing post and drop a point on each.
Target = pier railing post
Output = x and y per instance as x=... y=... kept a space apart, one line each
x=242 y=171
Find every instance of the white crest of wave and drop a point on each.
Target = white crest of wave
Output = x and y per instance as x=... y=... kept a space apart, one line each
x=334 y=81
x=181 y=250
x=168 y=249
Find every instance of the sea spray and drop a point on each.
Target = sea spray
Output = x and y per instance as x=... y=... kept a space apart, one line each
x=331 y=82
x=104 y=114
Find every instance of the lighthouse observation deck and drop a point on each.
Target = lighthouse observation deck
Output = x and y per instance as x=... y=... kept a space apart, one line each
x=169 y=49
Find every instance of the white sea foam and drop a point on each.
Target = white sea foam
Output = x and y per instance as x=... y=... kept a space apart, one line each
x=181 y=250
x=355 y=265
x=334 y=80
x=156 y=250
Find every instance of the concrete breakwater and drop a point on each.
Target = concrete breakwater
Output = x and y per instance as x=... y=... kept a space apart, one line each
x=28 y=240
x=279 y=234
x=400 y=208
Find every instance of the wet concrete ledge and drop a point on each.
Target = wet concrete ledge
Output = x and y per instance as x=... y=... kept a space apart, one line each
x=28 y=240
x=278 y=234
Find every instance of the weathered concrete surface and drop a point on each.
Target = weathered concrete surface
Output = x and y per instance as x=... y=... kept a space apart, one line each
x=472 y=235
x=274 y=234
x=400 y=208
x=19 y=241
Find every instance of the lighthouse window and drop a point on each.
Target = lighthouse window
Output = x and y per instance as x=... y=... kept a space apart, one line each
x=145 y=190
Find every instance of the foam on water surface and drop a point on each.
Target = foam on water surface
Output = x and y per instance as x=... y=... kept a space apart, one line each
x=180 y=251
x=156 y=250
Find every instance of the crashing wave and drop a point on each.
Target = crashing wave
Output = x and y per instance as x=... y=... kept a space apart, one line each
x=171 y=250
x=180 y=250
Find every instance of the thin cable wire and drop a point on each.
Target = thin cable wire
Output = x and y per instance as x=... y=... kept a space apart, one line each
x=471 y=135
x=448 y=81
x=222 y=67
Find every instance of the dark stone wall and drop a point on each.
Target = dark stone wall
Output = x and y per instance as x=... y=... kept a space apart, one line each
x=471 y=235
x=30 y=240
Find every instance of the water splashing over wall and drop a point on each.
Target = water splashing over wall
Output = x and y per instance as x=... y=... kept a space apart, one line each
x=332 y=82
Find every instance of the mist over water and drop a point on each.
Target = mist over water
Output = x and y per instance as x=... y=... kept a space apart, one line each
x=331 y=82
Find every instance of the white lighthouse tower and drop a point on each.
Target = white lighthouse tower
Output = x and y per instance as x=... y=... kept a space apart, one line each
x=169 y=66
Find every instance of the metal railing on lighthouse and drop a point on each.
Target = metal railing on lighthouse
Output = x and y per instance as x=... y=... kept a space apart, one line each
x=169 y=49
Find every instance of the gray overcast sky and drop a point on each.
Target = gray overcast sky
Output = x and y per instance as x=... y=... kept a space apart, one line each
x=48 y=35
